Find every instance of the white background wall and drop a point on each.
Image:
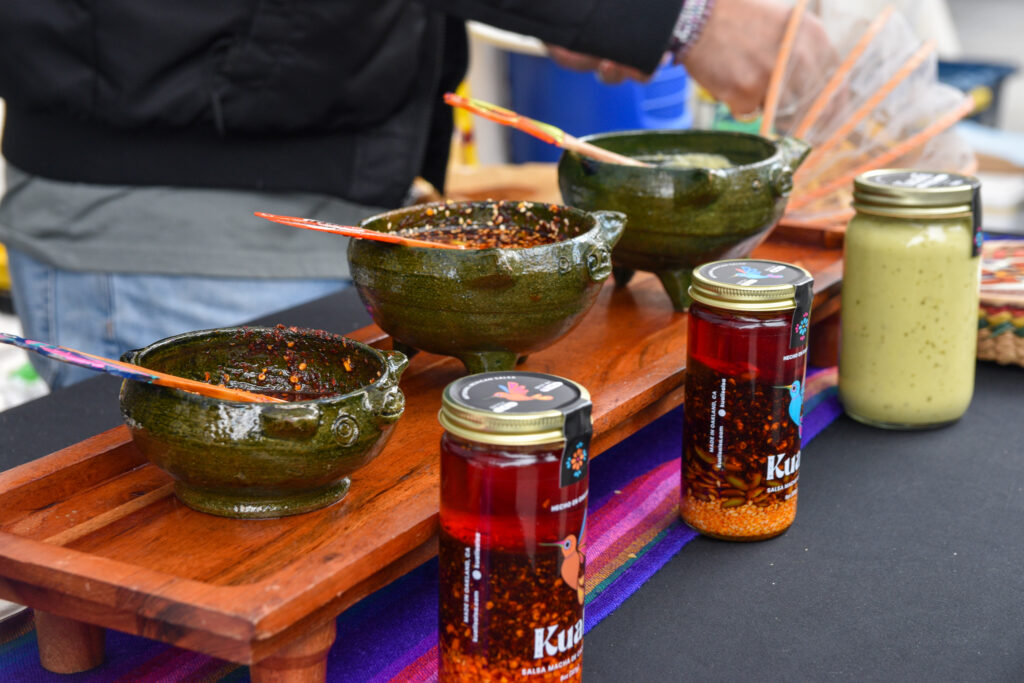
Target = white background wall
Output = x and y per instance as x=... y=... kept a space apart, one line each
x=994 y=29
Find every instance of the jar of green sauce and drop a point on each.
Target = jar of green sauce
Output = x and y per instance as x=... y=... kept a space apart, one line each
x=910 y=299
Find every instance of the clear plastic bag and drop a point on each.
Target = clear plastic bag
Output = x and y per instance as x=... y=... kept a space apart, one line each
x=879 y=105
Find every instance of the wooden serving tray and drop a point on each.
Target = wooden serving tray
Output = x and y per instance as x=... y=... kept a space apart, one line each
x=92 y=535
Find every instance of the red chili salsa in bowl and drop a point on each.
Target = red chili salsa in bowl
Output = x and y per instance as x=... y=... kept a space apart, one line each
x=498 y=225
x=292 y=364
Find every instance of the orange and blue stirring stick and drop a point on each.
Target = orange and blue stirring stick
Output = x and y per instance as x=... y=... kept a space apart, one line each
x=538 y=129
x=133 y=372
x=353 y=231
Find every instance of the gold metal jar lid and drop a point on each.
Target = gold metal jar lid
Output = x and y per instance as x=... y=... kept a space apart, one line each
x=514 y=408
x=751 y=285
x=907 y=193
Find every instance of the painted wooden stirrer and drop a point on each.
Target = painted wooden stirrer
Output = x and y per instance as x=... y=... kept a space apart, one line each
x=771 y=98
x=798 y=201
x=133 y=372
x=822 y=152
x=543 y=131
x=838 y=79
x=352 y=231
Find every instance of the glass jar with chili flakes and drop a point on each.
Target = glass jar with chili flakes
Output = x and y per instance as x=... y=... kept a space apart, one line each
x=514 y=484
x=746 y=361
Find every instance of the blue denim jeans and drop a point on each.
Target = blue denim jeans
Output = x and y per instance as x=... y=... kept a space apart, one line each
x=110 y=313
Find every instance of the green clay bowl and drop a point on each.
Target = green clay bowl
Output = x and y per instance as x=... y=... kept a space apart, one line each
x=680 y=218
x=487 y=307
x=260 y=460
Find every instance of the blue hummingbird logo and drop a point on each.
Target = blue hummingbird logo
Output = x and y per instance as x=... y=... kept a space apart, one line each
x=754 y=273
x=796 y=403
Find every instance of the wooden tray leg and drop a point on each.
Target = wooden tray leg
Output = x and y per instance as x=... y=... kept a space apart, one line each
x=67 y=646
x=302 y=661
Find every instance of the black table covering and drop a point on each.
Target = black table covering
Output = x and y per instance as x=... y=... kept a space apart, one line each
x=905 y=562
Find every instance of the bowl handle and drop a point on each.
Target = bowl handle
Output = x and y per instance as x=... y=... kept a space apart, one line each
x=610 y=226
x=386 y=403
x=599 y=262
x=397 y=362
x=598 y=256
x=793 y=152
x=290 y=422
x=385 y=400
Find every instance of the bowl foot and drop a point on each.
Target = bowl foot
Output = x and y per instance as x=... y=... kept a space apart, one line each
x=488 y=361
x=255 y=506
x=677 y=284
x=622 y=275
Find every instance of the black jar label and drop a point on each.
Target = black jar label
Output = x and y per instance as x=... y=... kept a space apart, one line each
x=576 y=456
x=803 y=295
x=977 y=237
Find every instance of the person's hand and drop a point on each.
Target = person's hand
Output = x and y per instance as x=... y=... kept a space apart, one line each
x=734 y=54
x=607 y=71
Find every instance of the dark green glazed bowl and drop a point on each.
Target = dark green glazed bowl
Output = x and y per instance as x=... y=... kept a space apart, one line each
x=487 y=307
x=259 y=460
x=680 y=218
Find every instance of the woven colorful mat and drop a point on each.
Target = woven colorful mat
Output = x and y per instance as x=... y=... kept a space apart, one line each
x=633 y=526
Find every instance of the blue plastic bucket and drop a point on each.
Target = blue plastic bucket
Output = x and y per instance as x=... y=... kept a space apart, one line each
x=580 y=104
x=981 y=80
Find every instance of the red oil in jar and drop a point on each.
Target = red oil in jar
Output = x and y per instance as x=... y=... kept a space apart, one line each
x=514 y=464
x=745 y=370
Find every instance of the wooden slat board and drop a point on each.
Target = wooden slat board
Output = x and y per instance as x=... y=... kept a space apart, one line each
x=94 y=533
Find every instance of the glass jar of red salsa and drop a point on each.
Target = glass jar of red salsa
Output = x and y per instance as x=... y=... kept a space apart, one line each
x=514 y=484
x=746 y=361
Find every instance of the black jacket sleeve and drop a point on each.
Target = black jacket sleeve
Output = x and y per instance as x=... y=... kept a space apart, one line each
x=632 y=32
